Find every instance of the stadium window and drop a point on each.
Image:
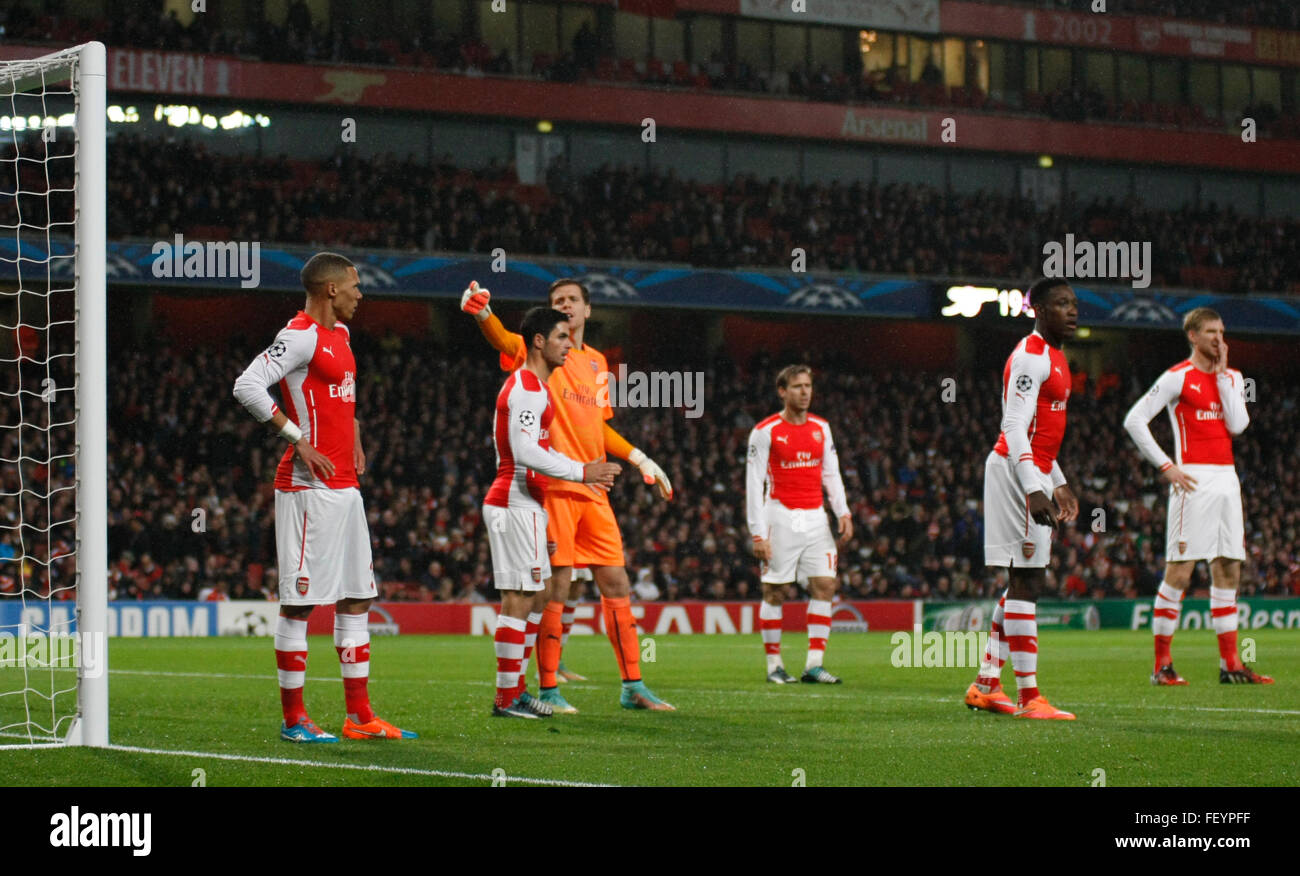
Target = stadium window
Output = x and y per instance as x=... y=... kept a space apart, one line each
x=541 y=30
x=1134 y=78
x=920 y=51
x=954 y=62
x=668 y=39
x=500 y=30
x=631 y=36
x=977 y=65
x=998 y=73
x=449 y=17
x=706 y=38
x=1099 y=72
x=1166 y=81
x=754 y=44
x=1033 y=73
x=1057 y=69
x=877 y=50
x=1289 y=88
x=1236 y=89
x=790 y=47
x=572 y=17
x=1203 y=86
x=1266 y=87
x=826 y=46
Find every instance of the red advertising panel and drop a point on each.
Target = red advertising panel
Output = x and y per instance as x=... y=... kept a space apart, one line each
x=1159 y=36
x=653 y=618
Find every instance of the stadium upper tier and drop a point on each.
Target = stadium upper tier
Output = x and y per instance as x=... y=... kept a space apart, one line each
x=159 y=188
x=902 y=69
x=912 y=466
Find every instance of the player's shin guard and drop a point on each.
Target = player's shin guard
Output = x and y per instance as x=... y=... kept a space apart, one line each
x=769 y=624
x=510 y=657
x=1164 y=621
x=352 y=642
x=531 y=627
x=995 y=653
x=1022 y=641
x=291 y=666
x=819 y=630
x=549 y=633
x=620 y=626
x=1223 y=613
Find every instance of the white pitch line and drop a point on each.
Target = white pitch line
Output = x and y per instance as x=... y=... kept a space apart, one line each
x=374 y=768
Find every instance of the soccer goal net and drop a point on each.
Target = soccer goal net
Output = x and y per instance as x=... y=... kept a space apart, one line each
x=53 y=437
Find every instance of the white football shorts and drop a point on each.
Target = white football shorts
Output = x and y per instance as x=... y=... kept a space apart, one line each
x=322 y=546
x=802 y=544
x=1208 y=522
x=1011 y=537
x=517 y=539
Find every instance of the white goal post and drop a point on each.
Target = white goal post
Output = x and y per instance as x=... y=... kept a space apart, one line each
x=39 y=260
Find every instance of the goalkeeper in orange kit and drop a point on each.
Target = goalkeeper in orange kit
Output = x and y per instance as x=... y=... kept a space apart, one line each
x=580 y=522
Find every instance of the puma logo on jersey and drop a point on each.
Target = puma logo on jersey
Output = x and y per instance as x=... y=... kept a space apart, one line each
x=1195 y=386
x=1057 y=369
x=328 y=350
x=784 y=439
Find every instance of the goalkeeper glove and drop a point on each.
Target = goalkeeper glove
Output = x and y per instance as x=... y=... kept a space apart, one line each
x=475 y=301
x=651 y=473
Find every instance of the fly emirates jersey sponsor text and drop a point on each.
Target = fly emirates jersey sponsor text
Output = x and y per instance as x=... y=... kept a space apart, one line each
x=317 y=375
x=1036 y=388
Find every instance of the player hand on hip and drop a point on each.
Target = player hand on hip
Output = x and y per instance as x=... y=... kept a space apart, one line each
x=1043 y=509
x=600 y=474
x=846 y=529
x=1179 y=478
x=1068 y=504
x=763 y=550
x=317 y=462
x=651 y=473
x=474 y=301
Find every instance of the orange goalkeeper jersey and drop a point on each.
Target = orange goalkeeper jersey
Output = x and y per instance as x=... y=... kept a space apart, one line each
x=582 y=407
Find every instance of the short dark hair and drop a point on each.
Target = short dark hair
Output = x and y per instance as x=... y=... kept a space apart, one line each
x=1042 y=287
x=323 y=267
x=568 y=281
x=789 y=372
x=540 y=321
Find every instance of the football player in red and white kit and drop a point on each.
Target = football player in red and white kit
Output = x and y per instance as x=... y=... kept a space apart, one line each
x=1206 y=404
x=512 y=509
x=322 y=540
x=1025 y=495
x=793 y=455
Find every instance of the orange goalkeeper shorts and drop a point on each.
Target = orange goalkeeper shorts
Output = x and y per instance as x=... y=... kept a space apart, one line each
x=583 y=531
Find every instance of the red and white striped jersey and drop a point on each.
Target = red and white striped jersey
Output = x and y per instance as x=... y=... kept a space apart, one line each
x=794 y=462
x=1035 y=391
x=521 y=432
x=1205 y=410
x=318 y=385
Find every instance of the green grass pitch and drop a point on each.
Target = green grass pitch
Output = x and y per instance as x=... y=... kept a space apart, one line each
x=217 y=700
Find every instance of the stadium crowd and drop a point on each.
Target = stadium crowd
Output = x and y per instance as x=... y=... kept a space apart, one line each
x=157 y=188
x=191 y=502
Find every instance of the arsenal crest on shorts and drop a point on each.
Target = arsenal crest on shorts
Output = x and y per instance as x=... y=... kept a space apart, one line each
x=537 y=574
x=1028 y=550
x=302 y=586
